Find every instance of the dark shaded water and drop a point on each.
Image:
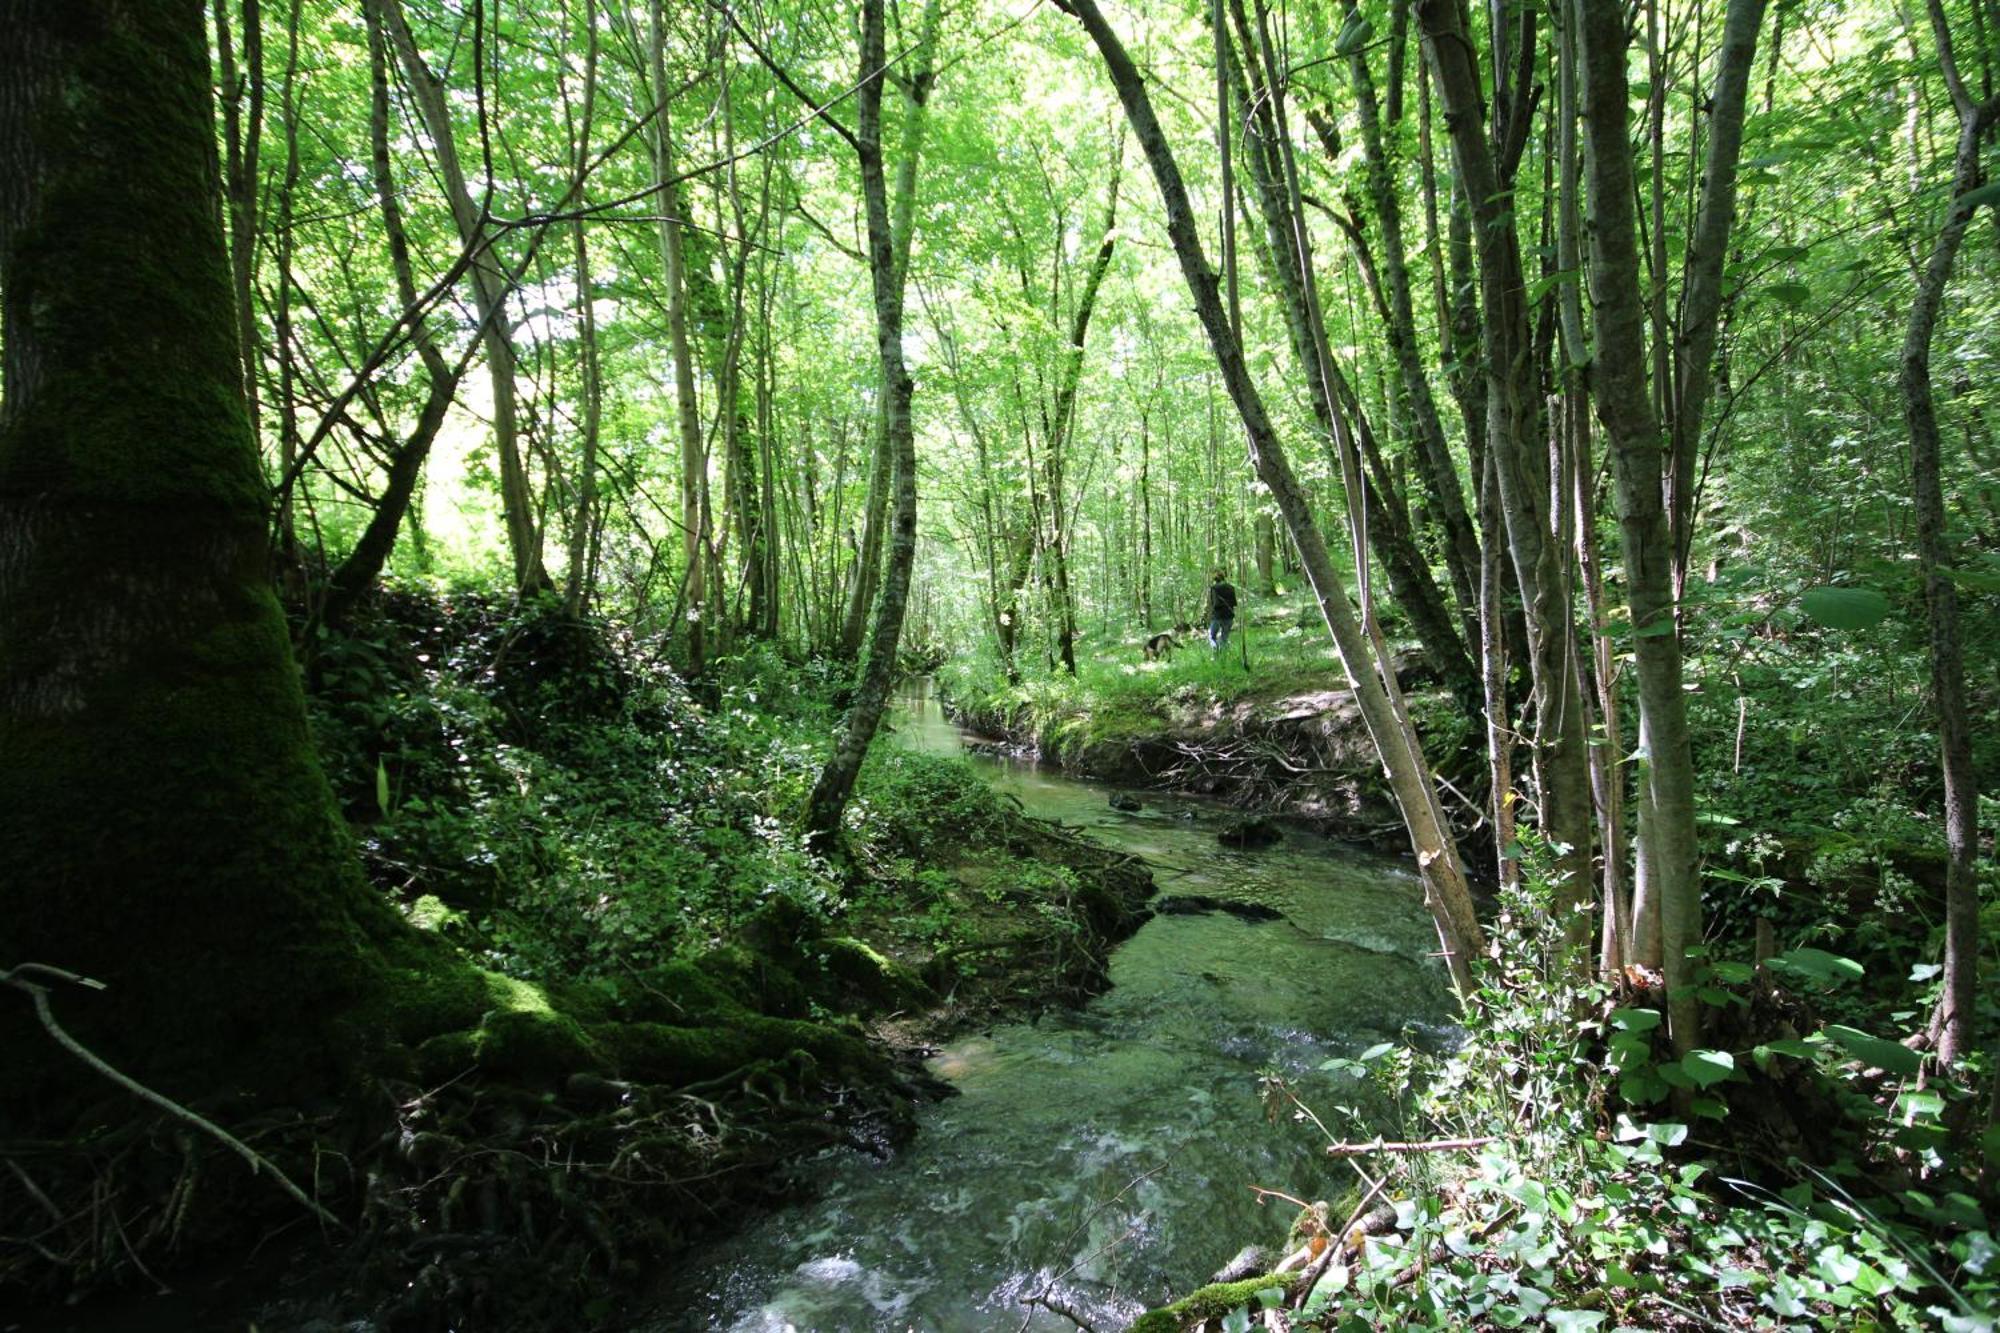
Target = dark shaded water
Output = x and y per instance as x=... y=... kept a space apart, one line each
x=1105 y=1158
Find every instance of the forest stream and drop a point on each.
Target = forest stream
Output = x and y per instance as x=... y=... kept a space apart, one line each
x=1102 y=1159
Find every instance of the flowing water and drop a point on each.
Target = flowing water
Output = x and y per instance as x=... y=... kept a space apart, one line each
x=1102 y=1160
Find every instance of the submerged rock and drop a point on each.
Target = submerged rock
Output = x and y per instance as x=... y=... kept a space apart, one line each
x=1251 y=832
x=1125 y=801
x=1193 y=904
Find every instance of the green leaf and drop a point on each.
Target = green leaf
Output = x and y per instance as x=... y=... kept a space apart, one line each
x=1237 y=1320
x=1792 y=1046
x=381 y=785
x=1817 y=965
x=1573 y=1321
x=1635 y=1020
x=1707 y=1068
x=1874 y=1051
x=1845 y=608
x=1790 y=293
x=1540 y=286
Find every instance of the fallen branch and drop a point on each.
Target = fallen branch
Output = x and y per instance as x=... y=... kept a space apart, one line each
x=1428 y=1145
x=39 y=995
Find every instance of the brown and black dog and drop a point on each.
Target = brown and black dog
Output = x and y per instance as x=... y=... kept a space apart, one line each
x=1161 y=647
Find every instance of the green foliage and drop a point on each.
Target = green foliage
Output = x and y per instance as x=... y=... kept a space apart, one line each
x=574 y=809
x=1624 y=1187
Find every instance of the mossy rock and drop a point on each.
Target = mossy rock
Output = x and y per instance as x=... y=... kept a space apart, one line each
x=664 y=1053
x=732 y=978
x=858 y=973
x=1211 y=1302
x=533 y=1046
x=776 y=929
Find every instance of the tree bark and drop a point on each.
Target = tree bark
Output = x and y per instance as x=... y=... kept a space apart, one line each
x=146 y=678
x=878 y=670
x=916 y=88
x=1440 y=473
x=1953 y=1024
x=1632 y=431
x=1701 y=296
x=1514 y=434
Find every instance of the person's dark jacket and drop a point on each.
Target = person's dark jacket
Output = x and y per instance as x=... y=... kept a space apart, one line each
x=1221 y=601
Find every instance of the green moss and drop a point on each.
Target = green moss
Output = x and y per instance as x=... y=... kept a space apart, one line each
x=859 y=973
x=1210 y=1302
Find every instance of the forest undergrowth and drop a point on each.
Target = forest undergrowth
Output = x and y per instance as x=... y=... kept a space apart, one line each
x=677 y=1007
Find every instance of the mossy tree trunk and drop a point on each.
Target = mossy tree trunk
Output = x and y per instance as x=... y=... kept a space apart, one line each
x=167 y=827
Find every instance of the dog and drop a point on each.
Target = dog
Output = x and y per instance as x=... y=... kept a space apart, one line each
x=1161 y=647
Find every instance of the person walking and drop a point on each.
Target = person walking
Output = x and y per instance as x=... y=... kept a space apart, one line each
x=1221 y=611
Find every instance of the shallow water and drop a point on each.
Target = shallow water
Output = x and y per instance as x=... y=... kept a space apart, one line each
x=1104 y=1159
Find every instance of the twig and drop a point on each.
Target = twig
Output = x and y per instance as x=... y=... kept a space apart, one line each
x=1336 y=1244
x=1429 y=1145
x=39 y=994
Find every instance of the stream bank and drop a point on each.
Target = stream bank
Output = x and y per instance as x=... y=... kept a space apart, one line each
x=1300 y=752
x=1100 y=1161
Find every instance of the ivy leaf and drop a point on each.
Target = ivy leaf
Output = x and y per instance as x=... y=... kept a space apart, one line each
x=1573 y=1321
x=1790 y=293
x=1635 y=1020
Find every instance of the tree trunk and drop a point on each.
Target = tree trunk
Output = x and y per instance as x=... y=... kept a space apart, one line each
x=687 y=414
x=357 y=573
x=878 y=670
x=490 y=288
x=1633 y=435
x=146 y=678
x=1513 y=432
x=1954 y=1024
x=1701 y=297
x=243 y=134
x=916 y=87
x=1462 y=557
x=1445 y=889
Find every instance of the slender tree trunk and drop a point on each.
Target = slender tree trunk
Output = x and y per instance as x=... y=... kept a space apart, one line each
x=1462 y=557
x=1387 y=519
x=1062 y=416
x=1513 y=397
x=243 y=133
x=1702 y=293
x=356 y=574
x=576 y=583
x=687 y=414
x=916 y=88
x=1437 y=860
x=1953 y=1024
x=1633 y=436
x=490 y=288
x=878 y=670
